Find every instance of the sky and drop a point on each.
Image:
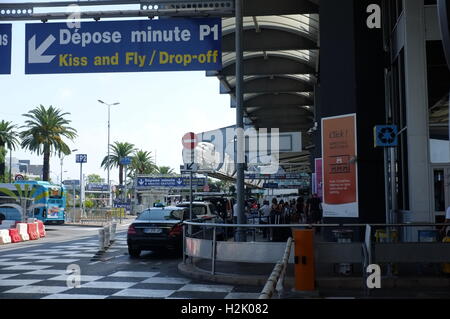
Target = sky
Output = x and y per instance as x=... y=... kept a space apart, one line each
x=156 y=109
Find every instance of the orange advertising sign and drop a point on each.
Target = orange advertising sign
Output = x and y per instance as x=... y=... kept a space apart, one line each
x=339 y=150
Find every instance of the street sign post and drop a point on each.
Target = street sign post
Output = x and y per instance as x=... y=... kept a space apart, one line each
x=81 y=158
x=124 y=46
x=5 y=48
x=190 y=142
x=125 y=161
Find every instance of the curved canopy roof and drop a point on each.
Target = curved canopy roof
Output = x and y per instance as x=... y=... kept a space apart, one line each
x=281 y=54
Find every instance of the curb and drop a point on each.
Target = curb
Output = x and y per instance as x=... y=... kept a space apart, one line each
x=192 y=271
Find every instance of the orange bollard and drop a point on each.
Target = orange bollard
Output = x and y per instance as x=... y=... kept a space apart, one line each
x=305 y=275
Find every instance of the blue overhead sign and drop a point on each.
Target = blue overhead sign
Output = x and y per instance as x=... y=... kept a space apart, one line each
x=171 y=182
x=124 y=46
x=5 y=48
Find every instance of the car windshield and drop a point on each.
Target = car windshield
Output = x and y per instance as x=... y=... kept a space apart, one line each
x=162 y=214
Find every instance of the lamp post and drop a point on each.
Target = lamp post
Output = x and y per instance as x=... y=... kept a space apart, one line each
x=62 y=160
x=109 y=127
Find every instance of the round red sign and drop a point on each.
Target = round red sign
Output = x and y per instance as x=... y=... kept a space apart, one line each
x=190 y=141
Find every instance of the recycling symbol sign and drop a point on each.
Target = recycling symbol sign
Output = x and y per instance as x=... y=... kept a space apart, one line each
x=386 y=136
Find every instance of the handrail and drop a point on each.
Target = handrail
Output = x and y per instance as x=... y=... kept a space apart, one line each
x=311 y=225
x=276 y=279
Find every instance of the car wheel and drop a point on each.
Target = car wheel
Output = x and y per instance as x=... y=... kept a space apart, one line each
x=134 y=253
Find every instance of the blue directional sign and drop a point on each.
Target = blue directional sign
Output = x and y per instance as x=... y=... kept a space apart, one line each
x=270 y=185
x=5 y=48
x=386 y=136
x=170 y=182
x=124 y=46
x=125 y=160
x=81 y=158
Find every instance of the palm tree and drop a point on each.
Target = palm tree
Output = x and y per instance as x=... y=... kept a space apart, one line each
x=117 y=152
x=165 y=170
x=8 y=138
x=44 y=132
x=143 y=163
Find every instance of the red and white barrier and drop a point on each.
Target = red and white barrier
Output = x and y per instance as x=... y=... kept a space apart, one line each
x=23 y=231
x=15 y=236
x=41 y=229
x=32 y=231
x=4 y=236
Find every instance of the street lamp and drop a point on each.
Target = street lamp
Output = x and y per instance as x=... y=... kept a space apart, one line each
x=62 y=159
x=109 y=127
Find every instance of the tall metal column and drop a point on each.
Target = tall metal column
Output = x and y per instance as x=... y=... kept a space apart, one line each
x=239 y=119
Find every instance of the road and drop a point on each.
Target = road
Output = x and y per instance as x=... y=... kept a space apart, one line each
x=38 y=270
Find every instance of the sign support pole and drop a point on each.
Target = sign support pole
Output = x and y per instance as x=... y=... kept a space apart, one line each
x=81 y=187
x=239 y=121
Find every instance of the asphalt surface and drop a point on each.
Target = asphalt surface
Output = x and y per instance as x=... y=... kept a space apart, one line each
x=65 y=265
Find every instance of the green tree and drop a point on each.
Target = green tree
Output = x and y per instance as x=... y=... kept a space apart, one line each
x=8 y=139
x=165 y=170
x=117 y=151
x=44 y=132
x=95 y=179
x=142 y=163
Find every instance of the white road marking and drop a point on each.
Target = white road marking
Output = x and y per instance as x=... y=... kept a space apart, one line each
x=63 y=277
x=74 y=296
x=133 y=274
x=144 y=293
x=163 y=280
x=58 y=261
x=26 y=267
x=37 y=290
x=46 y=272
x=207 y=288
x=18 y=282
x=108 y=285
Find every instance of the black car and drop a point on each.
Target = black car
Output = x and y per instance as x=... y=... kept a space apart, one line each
x=158 y=228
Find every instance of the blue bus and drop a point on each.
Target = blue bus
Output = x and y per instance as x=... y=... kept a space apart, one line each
x=42 y=200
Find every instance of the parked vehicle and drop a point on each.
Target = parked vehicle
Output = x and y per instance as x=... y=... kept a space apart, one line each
x=158 y=228
x=201 y=210
x=42 y=200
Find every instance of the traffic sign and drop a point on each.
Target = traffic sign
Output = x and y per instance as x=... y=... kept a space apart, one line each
x=81 y=158
x=5 y=48
x=386 y=136
x=190 y=141
x=170 y=182
x=190 y=167
x=124 y=46
x=270 y=185
x=19 y=177
x=125 y=160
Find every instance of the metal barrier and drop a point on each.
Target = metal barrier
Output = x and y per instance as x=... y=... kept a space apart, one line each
x=107 y=235
x=101 y=216
x=276 y=279
x=369 y=250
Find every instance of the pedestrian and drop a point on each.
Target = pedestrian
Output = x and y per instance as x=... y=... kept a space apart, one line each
x=300 y=209
x=265 y=215
x=315 y=209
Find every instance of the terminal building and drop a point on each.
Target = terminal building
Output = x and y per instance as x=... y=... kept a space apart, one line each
x=333 y=71
x=327 y=68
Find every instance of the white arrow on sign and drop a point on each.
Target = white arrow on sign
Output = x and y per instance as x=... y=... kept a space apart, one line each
x=35 y=55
